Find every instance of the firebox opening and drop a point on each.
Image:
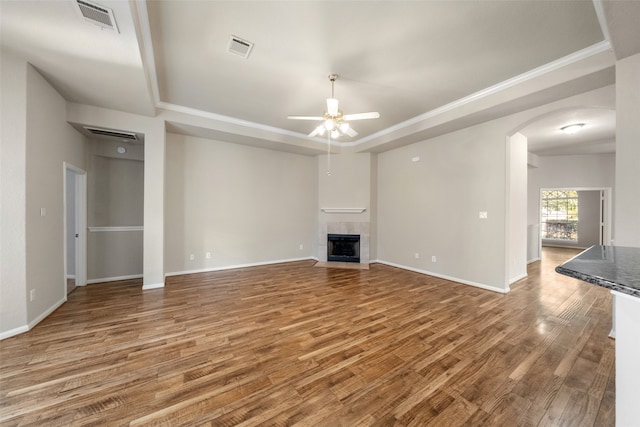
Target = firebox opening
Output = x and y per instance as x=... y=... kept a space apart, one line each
x=343 y=247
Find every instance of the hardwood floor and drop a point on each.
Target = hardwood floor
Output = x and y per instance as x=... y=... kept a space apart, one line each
x=290 y=344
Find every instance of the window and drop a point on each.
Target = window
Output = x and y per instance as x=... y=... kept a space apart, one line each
x=560 y=215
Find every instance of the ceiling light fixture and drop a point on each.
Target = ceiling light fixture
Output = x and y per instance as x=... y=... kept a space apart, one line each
x=333 y=121
x=571 y=129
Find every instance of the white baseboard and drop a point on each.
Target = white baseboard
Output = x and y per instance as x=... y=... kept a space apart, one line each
x=114 y=279
x=13 y=332
x=152 y=286
x=560 y=245
x=50 y=310
x=519 y=277
x=533 y=260
x=442 y=276
x=71 y=276
x=25 y=328
x=231 y=267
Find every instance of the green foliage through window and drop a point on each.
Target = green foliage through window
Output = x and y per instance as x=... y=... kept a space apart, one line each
x=559 y=213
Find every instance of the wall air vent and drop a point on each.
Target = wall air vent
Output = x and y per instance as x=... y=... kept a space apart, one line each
x=239 y=46
x=112 y=133
x=97 y=15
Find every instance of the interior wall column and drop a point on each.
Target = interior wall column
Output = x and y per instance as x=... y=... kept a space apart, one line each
x=154 y=171
x=627 y=194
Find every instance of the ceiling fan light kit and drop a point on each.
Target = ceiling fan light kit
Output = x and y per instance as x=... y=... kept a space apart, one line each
x=333 y=120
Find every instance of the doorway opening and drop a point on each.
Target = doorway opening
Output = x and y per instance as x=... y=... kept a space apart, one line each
x=75 y=226
x=574 y=217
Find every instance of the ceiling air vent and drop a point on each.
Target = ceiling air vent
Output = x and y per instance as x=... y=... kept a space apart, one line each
x=239 y=46
x=112 y=133
x=97 y=15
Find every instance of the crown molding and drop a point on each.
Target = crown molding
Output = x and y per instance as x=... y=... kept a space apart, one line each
x=149 y=64
x=580 y=55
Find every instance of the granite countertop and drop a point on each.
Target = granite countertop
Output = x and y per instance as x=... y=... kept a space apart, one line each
x=612 y=267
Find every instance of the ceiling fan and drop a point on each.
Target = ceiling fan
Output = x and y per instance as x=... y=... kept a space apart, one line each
x=333 y=121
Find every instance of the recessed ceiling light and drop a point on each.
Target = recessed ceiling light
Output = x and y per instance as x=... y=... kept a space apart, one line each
x=571 y=129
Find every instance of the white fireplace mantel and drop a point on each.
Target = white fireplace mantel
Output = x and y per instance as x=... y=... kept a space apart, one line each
x=342 y=210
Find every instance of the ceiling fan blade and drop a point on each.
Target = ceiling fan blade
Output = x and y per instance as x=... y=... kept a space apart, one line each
x=317 y=118
x=351 y=132
x=318 y=131
x=362 y=116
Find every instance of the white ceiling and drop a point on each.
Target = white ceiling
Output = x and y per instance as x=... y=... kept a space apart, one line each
x=409 y=60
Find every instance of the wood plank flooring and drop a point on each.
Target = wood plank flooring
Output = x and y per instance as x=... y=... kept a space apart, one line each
x=290 y=344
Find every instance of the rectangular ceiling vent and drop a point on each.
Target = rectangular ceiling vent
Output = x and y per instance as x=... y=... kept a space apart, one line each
x=97 y=15
x=112 y=133
x=239 y=46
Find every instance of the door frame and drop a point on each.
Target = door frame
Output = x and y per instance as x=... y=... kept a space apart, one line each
x=80 y=189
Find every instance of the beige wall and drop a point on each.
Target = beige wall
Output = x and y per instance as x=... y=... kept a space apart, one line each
x=517 y=205
x=13 y=270
x=50 y=143
x=589 y=218
x=431 y=207
x=348 y=185
x=244 y=205
x=35 y=143
x=118 y=192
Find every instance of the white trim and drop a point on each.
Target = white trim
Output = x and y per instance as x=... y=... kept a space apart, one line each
x=50 y=310
x=515 y=279
x=602 y=19
x=13 y=332
x=533 y=260
x=572 y=58
x=114 y=279
x=148 y=57
x=233 y=120
x=122 y=228
x=442 y=276
x=80 y=224
x=152 y=286
x=585 y=53
x=71 y=276
x=231 y=267
x=342 y=210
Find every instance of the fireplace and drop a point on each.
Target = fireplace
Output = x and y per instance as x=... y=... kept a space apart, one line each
x=343 y=247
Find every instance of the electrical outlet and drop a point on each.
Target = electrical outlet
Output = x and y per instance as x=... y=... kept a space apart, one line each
x=192 y=257
x=482 y=214
x=208 y=255
x=32 y=295
x=433 y=258
x=417 y=255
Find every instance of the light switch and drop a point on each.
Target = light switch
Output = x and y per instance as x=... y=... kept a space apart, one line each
x=483 y=215
x=43 y=211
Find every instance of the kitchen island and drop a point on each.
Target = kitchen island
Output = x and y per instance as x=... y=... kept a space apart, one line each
x=617 y=268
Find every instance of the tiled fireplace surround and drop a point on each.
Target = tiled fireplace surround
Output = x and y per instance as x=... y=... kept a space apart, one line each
x=361 y=228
